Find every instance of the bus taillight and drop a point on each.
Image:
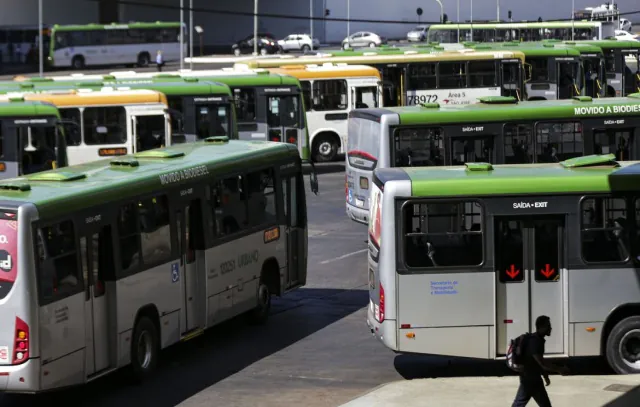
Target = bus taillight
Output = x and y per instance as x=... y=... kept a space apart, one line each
x=292 y=136
x=381 y=319
x=21 y=345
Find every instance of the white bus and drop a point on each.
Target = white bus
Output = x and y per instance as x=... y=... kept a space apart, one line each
x=106 y=263
x=107 y=123
x=79 y=46
x=330 y=92
x=462 y=259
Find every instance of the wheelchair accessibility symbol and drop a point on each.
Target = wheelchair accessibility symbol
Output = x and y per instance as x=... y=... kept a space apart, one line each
x=175 y=273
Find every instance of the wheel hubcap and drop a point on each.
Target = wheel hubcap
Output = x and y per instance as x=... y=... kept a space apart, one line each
x=630 y=349
x=145 y=350
x=325 y=148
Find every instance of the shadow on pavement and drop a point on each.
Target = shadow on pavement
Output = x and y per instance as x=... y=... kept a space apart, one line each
x=434 y=366
x=188 y=368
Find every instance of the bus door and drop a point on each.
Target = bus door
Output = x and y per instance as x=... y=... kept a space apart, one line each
x=511 y=78
x=189 y=221
x=295 y=230
x=530 y=267
x=149 y=129
x=472 y=143
x=568 y=78
x=96 y=247
x=285 y=117
x=631 y=71
x=393 y=85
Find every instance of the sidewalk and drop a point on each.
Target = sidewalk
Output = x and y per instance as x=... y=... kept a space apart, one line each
x=567 y=391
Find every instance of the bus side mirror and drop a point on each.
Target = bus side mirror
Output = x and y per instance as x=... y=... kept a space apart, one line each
x=313 y=178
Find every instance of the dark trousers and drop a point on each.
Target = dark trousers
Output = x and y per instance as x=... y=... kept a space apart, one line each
x=531 y=388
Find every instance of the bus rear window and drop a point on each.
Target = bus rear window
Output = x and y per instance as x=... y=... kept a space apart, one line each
x=363 y=143
x=8 y=252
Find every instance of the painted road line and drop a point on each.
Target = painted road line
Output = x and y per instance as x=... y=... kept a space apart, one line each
x=344 y=256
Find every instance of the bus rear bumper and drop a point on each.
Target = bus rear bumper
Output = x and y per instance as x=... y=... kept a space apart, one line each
x=358 y=214
x=22 y=378
x=384 y=331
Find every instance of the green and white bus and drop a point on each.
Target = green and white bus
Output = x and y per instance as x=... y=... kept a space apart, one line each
x=198 y=109
x=622 y=65
x=112 y=261
x=79 y=46
x=492 y=247
x=552 y=71
x=523 y=31
x=267 y=106
x=498 y=130
x=415 y=76
x=31 y=139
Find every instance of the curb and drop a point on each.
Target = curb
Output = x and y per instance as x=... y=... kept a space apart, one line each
x=378 y=387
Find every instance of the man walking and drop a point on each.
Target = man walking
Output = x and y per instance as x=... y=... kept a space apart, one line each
x=535 y=367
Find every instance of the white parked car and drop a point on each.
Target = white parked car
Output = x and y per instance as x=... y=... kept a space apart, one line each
x=626 y=36
x=363 y=39
x=418 y=34
x=298 y=42
x=625 y=25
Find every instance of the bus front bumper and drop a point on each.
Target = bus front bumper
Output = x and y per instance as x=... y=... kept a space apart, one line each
x=359 y=215
x=24 y=378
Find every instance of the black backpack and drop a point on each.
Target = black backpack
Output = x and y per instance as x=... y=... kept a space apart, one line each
x=516 y=353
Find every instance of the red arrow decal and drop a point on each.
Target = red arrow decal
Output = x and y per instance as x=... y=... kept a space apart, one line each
x=548 y=271
x=513 y=272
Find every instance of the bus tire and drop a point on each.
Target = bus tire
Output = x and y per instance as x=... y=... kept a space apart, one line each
x=143 y=59
x=260 y=314
x=77 y=62
x=145 y=349
x=622 y=342
x=325 y=147
x=237 y=52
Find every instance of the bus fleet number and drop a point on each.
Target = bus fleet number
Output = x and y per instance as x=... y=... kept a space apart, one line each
x=419 y=99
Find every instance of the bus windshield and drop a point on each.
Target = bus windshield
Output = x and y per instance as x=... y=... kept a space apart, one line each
x=39 y=148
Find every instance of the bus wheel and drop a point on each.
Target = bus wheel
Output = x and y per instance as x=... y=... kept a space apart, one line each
x=143 y=60
x=260 y=313
x=623 y=346
x=77 y=62
x=325 y=148
x=144 y=349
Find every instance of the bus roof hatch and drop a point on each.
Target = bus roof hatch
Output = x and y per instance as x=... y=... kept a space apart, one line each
x=590 y=161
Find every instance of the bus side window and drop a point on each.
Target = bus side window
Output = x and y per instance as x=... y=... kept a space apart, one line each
x=155 y=230
x=443 y=234
x=59 y=272
x=105 y=125
x=129 y=239
x=230 y=205
x=262 y=202
x=330 y=94
x=604 y=230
